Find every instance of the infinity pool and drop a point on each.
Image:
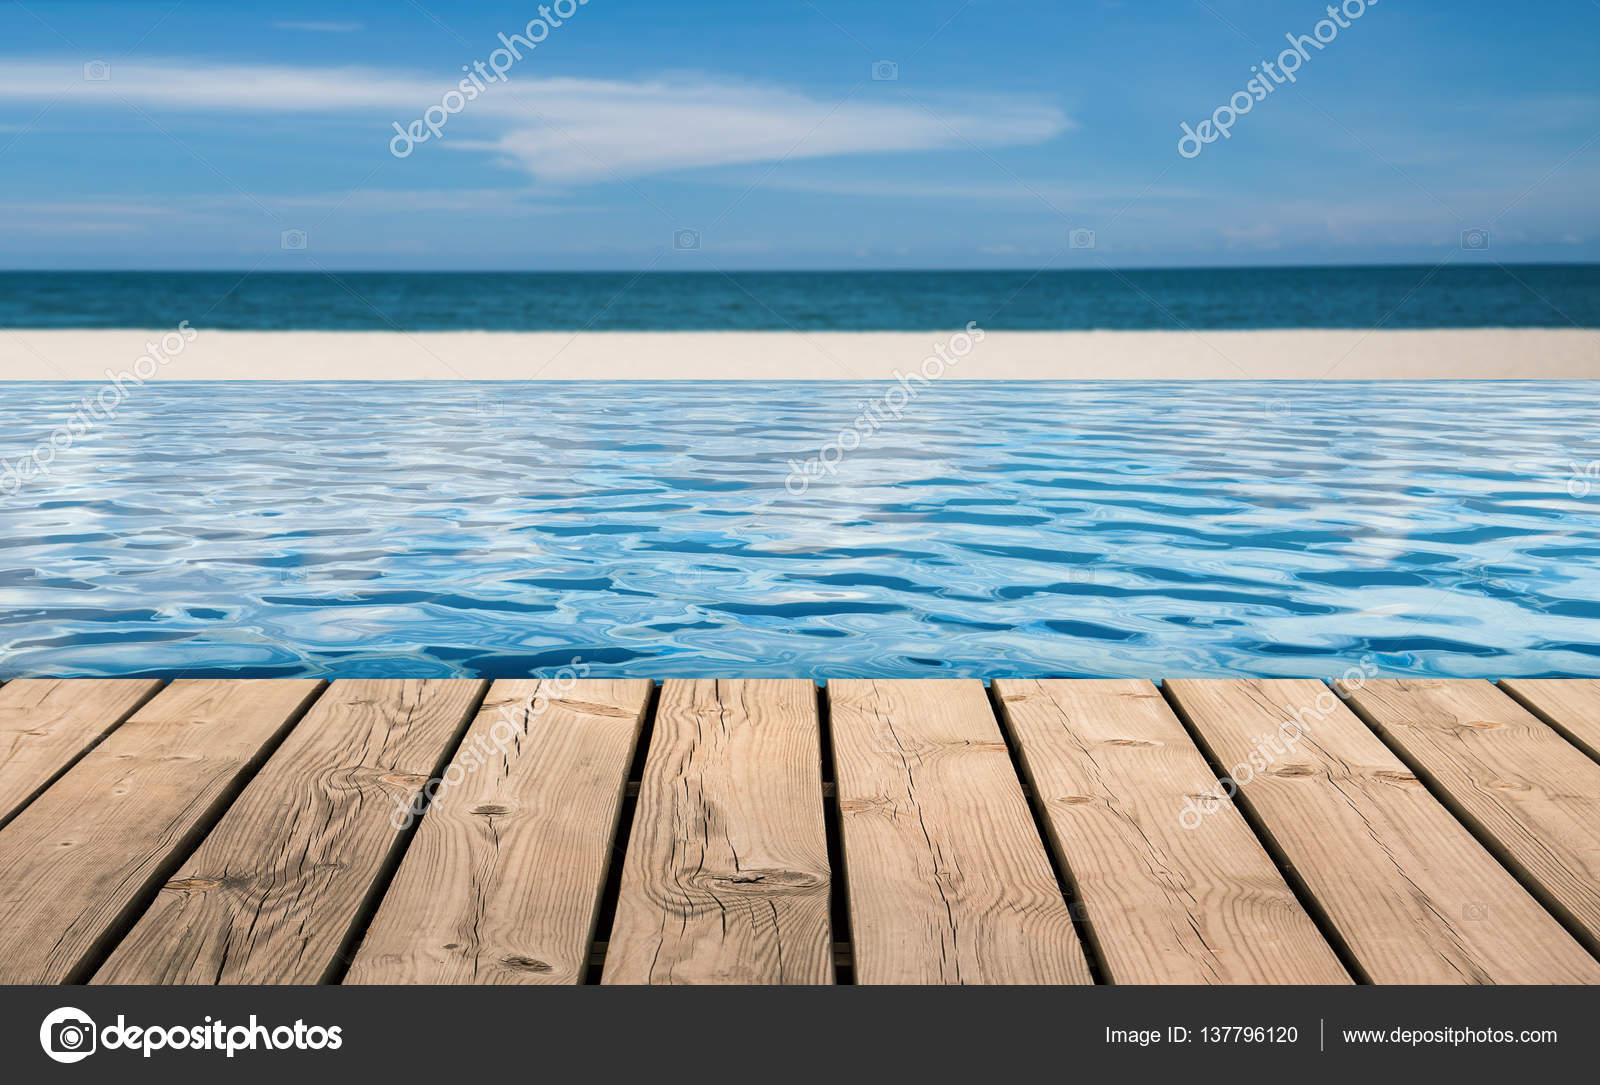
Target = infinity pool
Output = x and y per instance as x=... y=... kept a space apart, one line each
x=661 y=529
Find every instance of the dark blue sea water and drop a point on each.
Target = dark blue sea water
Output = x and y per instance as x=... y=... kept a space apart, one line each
x=664 y=529
x=1484 y=295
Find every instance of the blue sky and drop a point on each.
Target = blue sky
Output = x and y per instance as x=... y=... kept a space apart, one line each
x=196 y=135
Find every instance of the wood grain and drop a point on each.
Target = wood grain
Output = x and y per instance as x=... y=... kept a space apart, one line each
x=502 y=882
x=1175 y=886
x=84 y=855
x=1570 y=705
x=46 y=724
x=273 y=891
x=1414 y=896
x=1528 y=793
x=948 y=881
x=726 y=878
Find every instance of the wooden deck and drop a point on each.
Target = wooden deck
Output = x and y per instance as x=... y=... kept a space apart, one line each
x=774 y=832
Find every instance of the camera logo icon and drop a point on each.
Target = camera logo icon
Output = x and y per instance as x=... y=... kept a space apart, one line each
x=1475 y=240
x=1081 y=238
x=1583 y=479
x=96 y=71
x=293 y=240
x=885 y=71
x=67 y=1035
x=684 y=240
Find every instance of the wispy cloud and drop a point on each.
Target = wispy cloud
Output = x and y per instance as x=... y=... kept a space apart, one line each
x=576 y=130
x=565 y=131
x=1004 y=190
x=320 y=28
x=103 y=214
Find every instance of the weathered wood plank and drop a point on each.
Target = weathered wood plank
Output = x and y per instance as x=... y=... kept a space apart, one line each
x=1413 y=895
x=273 y=891
x=48 y=723
x=1528 y=793
x=1570 y=705
x=86 y=853
x=948 y=881
x=502 y=881
x=1175 y=886
x=726 y=878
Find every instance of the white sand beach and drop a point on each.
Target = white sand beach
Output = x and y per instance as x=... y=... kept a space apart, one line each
x=1310 y=354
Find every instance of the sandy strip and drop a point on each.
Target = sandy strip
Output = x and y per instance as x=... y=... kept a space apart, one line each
x=1101 y=355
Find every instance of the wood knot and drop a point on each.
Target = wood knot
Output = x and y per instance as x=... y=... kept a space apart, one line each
x=403 y=779
x=769 y=880
x=1294 y=771
x=1137 y=742
x=1507 y=783
x=1395 y=776
x=491 y=809
x=1466 y=727
x=593 y=708
x=194 y=885
x=1075 y=800
x=526 y=964
x=862 y=806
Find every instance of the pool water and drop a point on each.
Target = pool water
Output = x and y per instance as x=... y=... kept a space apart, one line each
x=678 y=529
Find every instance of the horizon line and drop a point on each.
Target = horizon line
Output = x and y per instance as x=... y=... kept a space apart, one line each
x=1023 y=269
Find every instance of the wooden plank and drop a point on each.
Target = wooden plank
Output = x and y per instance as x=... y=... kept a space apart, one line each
x=1414 y=896
x=84 y=856
x=502 y=882
x=726 y=878
x=1570 y=705
x=48 y=723
x=1175 y=886
x=1529 y=794
x=948 y=881
x=273 y=892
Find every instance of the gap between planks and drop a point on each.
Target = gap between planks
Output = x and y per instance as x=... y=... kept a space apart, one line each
x=840 y=948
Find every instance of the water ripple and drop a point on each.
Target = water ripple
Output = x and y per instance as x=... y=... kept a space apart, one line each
x=645 y=528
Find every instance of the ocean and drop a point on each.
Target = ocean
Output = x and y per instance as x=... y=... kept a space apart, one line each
x=1453 y=296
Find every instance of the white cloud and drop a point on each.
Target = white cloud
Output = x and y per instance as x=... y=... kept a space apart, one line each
x=583 y=129
x=570 y=130
x=320 y=28
x=205 y=88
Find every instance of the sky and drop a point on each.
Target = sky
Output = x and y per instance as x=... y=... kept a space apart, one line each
x=703 y=135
